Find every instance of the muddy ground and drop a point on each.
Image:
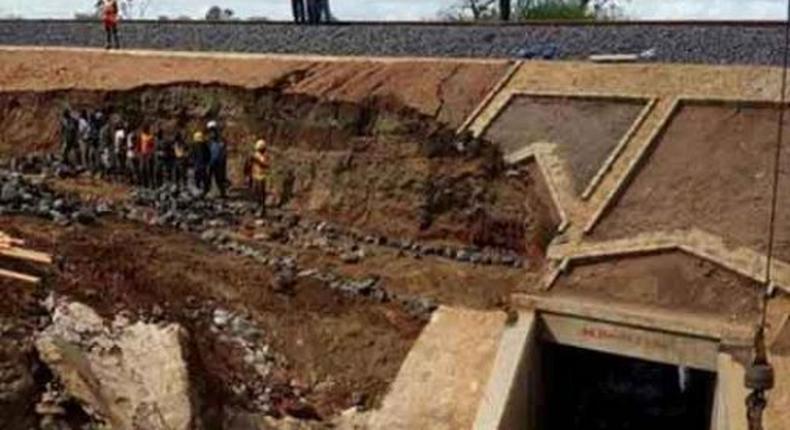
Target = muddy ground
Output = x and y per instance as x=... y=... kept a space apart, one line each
x=339 y=351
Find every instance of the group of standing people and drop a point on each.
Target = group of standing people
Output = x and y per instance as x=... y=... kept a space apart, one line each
x=311 y=11
x=150 y=157
x=144 y=156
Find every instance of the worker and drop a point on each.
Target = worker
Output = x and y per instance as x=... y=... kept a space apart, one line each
x=97 y=121
x=110 y=20
x=105 y=146
x=84 y=137
x=164 y=159
x=119 y=149
x=260 y=174
x=147 y=148
x=299 y=11
x=200 y=158
x=132 y=166
x=68 y=136
x=504 y=10
x=218 y=160
x=322 y=10
x=181 y=160
x=312 y=11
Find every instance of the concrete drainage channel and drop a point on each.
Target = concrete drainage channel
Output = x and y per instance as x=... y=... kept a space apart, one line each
x=563 y=363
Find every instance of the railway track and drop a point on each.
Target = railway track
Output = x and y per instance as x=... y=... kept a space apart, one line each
x=486 y=24
x=707 y=42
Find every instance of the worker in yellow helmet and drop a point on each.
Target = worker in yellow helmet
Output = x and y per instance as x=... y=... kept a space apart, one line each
x=259 y=172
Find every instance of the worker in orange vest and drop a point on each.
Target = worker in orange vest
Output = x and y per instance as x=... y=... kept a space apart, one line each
x=110 y=20
x=147 y=148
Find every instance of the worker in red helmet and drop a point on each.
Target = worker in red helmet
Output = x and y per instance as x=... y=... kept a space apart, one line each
x=110 y=20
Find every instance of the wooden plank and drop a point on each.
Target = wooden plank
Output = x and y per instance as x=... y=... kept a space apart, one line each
x=614 y=58
x=5 y=239
x=19 y=276
x=24 y=254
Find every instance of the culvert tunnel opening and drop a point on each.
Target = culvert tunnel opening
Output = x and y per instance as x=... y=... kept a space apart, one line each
x=589 y=390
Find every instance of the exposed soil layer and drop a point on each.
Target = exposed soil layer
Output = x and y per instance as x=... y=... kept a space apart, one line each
x=712 y=169
x=377 y=165
x=585 y=130
x=654 y=280
x=342 y=346
x=445 y=90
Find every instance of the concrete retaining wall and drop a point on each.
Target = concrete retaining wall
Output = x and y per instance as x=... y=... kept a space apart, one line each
x=696 y=43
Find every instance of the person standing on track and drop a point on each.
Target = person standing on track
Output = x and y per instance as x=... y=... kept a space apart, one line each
x=504 y=10
x=110 y=20
x=322 y=10
x=299 y=11
x=312 y=11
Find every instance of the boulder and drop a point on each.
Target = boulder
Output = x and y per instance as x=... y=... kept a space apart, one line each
x=129 y=376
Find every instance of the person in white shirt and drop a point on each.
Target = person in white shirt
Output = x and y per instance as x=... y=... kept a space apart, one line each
x=132 y=161
x=119 y=149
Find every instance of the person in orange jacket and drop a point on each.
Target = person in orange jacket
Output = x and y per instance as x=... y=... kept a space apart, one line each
x=147 y=148
x=110 y=20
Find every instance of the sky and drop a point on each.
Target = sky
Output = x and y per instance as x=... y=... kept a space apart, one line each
x=401 y=9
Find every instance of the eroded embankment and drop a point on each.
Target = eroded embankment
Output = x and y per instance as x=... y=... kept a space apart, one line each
x=376 y=165
x=444 y=205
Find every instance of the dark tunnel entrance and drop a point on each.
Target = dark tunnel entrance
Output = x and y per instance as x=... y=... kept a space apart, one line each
x=589 y=390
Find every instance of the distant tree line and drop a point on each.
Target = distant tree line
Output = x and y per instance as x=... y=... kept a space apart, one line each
x=492 y=10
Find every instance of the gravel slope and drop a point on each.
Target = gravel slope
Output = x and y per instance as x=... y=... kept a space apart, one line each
x=730 y=43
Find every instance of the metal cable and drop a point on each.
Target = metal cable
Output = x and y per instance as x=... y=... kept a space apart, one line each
x=756 y=401
x=777 y=161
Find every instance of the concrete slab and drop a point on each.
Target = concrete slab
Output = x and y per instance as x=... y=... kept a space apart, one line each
x=653 y=345
x=729 y=410
x=507 y=403
x=444 y=376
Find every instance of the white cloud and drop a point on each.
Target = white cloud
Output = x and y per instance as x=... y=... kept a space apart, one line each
x=706 y=9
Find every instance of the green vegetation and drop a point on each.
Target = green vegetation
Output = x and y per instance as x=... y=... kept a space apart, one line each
x=548 y=10
x=556 y=10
